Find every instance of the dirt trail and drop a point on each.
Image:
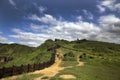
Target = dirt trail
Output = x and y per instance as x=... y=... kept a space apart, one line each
x=68 y=76
x=47 y=72
x=52 y=70
x=80 y=63
x=10 y=78
x=55 y=68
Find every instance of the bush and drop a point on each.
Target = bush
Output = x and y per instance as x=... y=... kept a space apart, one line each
x=69 y=57
x=91 y=57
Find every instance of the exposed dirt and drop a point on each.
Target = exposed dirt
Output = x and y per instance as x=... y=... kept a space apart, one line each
x=55 y=68
x=47 y=72
x=80 y=63
x=10 y=78
x=52 y=70
x=67 y=76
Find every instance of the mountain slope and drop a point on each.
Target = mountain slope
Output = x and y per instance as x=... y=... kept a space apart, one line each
x=101 y=60
x=22 y=54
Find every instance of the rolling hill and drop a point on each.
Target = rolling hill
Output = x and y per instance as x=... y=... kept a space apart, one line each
x=101 y=59
x=22 y=54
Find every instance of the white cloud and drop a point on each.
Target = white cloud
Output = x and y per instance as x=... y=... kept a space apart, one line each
x=4 y=39
x=108 y=30
x=110 y=25
x=88 y=14
x=29 y=38
x=117 y=6
x=38 y=28
x=57 y=28
x=79 y=18
x=65 y=25
x=109 y=19
x=42 y=9
x=12 y=2
x=101 y=8
x=45 y=19
x=110 y=4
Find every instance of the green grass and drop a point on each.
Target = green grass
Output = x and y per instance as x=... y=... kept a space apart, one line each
x=102 y=60
x=25 y=55
x=101 y=64
x=92 y=70
x=68 y=63
x=28 y=76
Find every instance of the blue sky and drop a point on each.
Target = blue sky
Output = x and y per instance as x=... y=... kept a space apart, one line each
x=31 y=22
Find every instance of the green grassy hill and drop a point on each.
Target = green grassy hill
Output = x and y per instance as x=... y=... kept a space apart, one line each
x=93 y=48
x=15 y=49
x=102 y=60
x=22 y=54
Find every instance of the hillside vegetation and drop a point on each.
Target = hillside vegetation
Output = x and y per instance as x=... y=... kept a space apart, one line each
x=102 y=60
x=22 y=54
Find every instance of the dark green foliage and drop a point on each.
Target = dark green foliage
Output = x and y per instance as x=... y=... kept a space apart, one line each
x=45 y=77
x=85 y=57
x=80 y=41
x=69 y=56
x=47 y=44
x=61 y=42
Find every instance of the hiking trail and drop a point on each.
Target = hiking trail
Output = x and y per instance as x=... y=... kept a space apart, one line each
x=52 y=70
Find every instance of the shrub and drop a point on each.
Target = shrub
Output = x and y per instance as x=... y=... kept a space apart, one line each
x=69 y=57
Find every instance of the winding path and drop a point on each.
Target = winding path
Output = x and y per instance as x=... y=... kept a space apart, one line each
x=52 y=70
x=80 y=63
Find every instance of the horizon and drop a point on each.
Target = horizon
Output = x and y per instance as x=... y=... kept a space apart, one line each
x=31 y=22
x=58 y=39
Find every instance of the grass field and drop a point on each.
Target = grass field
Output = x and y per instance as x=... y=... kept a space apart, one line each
x=101 y=60
x=25 y=55
x=94 y=70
